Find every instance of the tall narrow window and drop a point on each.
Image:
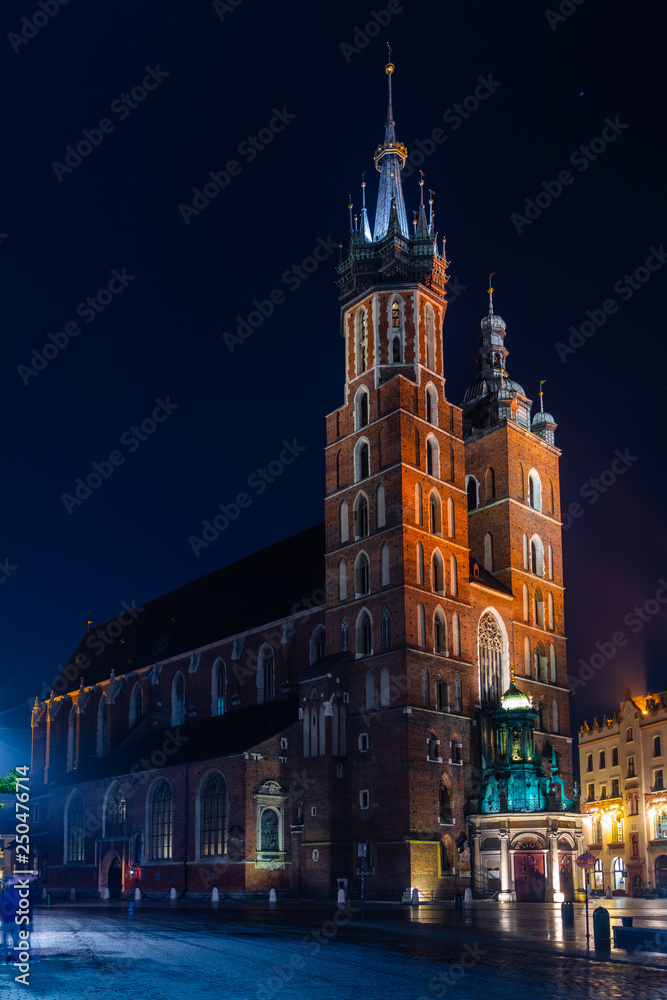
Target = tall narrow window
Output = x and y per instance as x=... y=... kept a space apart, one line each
x=420 y=563
x=317 y=644
x=136 y=704
x=437 y=573
x=458 y=698
x=451 y=524
x=433 y=457
x=364 y=634
x=550 y=611
x=265 y=675
x=75 y=828
x=362 y=576
x=161 y=822
x=386 y=627
x=396 y=350
x=554 y=716
x=534 y=490
x=551 y=496
x=102 y=727
x=522 y=483
x=342 y=580
x=440 y=633
x=71 y=737
x=361 y=408
x=361 y=460
x=343 y=518
x=421 y=626
x=454 y=576
x=269 y=831
x=380 y=506
x=218 y=688
x=361 y=516
x=395 y=315
x=385 y=687
x=430 y=338
x=537 y=555
x=114 y=814
x=471 y=488
x=526 y=656
x=435 y=513
x=425 y=688
x=419 y=505
x=178 y=700
x=384 y=565
x=490 y=658
x=526 y=557
x=370 y=689
x=212 y=817
x=488 y=552
x=361 y=341
x=489 y=485
x=551 y=563
x=456 y=634
x=344 y=636
x=431 y=405
x=525 y=602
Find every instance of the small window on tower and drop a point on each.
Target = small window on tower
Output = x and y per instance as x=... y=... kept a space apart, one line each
x=396 y=350
x=395 y=315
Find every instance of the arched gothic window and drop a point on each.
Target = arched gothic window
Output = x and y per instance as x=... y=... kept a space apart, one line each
x=342 y=580
x=458 y=697
x=362 y=360
x=218 y=687
x=550 y=611
x=471 y=488
x=361 y=408
x=380 y=506
x=440 y=633
x=370 y=689
x=421 y=625
x=419 y=507
x=178 y=700
x=265 y=675
x=490 y=658
x=386 y=627
x=74 y=833
x=456 y=634
x=537 y=555
x=270 y=830
x=431 y=405
x=364 y=634
x=526 y=656
x=488 y=552
x=435 y=513
x=395 y=315
x=361 y=516
x=534 y=490
x=362 y=576
x=362 y=461
x=554 y=716
x=161 y=821
x=114 y=815
x=432 y=457
x=430 y=338
x=489 y=484
x=343 y=518
x=385 y=687
x=454 y=576
x=420 y=563
x=552 y=662
x=438 y=573
x=136 y=704
x=317 y=644
x=451 y=524
x=344 y=636
x=384 y=565
x=212 y=819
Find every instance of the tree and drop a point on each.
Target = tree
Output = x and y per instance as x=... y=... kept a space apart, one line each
x=8 y=784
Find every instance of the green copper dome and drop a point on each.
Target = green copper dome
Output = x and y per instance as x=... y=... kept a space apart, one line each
x=514 y=700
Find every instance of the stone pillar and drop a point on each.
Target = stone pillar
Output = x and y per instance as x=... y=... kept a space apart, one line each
x=553 y=871
x=505 y=894
x=478 y=878
x=580 y=874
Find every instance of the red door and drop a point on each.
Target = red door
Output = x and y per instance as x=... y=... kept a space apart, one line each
x=529 y=877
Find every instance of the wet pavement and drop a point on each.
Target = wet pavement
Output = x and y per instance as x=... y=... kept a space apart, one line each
x=156 y=951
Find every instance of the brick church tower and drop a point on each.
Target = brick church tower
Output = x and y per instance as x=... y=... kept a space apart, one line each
x=442 y=549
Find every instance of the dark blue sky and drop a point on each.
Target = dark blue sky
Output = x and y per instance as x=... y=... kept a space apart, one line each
x=221 y=74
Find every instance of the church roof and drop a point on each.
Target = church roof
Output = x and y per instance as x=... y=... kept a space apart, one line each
x=264 y=587
x=203 y=739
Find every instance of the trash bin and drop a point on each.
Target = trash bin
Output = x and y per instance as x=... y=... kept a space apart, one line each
x=458 y=901
x=48 y=899
x=626 y=921
x=567 y=913
x=601 y=925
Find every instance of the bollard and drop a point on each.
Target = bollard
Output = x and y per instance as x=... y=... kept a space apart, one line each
x=415 y=897
x=106 y=894
x=48 y=899
x=43 y=893
x=601 y=926
x=215 y=895
x=273 y=898
x=341 y=898
x=468 y=895
x=567 y=913
x=458 y=901
x=137 y=893
x=172 y=893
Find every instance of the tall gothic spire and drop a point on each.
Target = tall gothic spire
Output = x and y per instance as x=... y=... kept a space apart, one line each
x=390 y=159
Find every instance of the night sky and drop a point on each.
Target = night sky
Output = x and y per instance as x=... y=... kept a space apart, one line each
x=217 y=75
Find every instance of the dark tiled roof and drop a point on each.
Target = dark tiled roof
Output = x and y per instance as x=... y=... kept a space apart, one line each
x=325 y=666
x=261 y=588
x=484 y=577
x=205 y=739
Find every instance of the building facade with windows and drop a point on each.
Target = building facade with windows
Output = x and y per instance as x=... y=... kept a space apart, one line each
x=624 y=796
x=211 y=738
